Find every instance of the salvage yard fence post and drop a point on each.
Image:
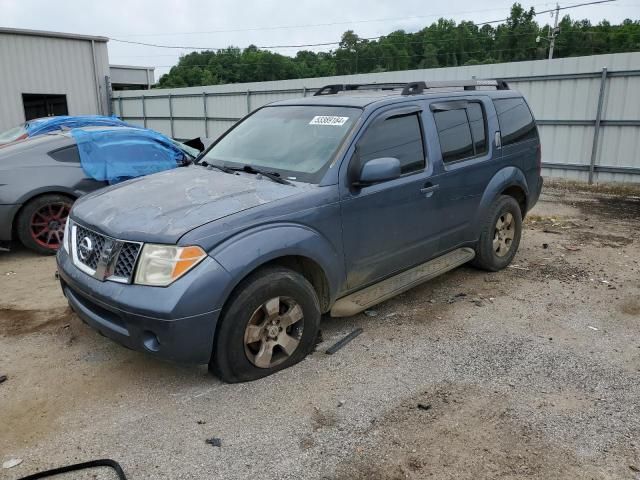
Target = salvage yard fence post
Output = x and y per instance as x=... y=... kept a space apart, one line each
x=596 y=128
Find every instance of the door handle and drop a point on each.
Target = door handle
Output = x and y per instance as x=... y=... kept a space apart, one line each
x=429 y=189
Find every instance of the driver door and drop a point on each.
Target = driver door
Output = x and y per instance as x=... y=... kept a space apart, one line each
x=390 y=226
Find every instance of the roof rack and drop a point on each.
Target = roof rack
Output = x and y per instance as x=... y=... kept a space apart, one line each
x=412 y=88
x=344 y=87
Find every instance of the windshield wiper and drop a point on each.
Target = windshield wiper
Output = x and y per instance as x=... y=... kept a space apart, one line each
x=222 y=168
x=275 y=176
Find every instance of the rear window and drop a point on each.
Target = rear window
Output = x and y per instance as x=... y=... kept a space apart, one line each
x=461 y=131
x=454 y=133
x=516 y=122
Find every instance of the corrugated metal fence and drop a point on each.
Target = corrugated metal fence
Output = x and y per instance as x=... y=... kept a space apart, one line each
x=587 y=108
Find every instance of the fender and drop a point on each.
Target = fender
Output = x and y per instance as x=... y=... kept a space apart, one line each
x=503 y=179
x=268 y=242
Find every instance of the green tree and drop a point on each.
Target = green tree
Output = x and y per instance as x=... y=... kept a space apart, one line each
x=443 y=43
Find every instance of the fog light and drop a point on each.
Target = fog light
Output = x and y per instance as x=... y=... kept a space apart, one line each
x=150 y=341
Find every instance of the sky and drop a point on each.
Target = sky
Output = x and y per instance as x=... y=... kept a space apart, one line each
x=220 y=23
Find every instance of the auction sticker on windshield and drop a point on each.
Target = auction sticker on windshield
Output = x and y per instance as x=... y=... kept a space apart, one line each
x=328 y=120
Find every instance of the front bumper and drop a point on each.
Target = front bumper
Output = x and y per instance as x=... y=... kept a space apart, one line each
x=176 y=323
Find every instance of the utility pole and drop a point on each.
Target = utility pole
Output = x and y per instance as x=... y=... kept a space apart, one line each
x=554 y=32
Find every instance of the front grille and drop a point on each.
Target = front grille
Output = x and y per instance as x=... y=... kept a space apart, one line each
x=104 y=257
x=126 y=260
x=89 y=258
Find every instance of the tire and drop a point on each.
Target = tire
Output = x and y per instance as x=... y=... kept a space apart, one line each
x=488 y=256
x=250 y=315
x=40 y=224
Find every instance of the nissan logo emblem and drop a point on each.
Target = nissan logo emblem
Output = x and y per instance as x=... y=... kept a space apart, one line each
x=85 y=248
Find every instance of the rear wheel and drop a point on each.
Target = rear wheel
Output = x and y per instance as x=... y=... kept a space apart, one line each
x=270 y=322
x=500 y=235
x=40 y=223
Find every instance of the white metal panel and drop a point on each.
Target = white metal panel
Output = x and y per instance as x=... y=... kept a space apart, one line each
x=131 y=108
x=162 y=126
x=188 y=129
x=130 y=75
x=156 y=107
x=33 y=64
x=573 y=99
x=619 y=147
x=566 y=144
x=187 y=107
x=227 y=106
x=622 y=98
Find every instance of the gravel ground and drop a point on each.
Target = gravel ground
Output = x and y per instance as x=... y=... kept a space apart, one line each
x=531 y=372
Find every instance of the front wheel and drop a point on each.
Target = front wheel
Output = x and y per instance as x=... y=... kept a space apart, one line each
x=500 y=235
x=270 y=322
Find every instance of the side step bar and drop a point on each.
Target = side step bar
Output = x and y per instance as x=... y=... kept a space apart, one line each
x=386 y=289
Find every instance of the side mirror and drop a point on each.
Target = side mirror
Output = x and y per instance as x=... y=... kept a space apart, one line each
x=378 y=170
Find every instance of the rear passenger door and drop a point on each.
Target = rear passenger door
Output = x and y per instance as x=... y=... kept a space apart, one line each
x=465 y=130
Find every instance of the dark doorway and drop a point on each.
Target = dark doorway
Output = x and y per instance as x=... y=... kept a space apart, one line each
x=38 y=105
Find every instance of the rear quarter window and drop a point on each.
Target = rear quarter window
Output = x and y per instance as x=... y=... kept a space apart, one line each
x=66 y=154
x=515 y=119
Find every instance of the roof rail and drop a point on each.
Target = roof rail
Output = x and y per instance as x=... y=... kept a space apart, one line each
x=413 y=88
x=344 y=87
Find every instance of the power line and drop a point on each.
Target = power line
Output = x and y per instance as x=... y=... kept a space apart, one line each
x=425 y=42
x=325 y=44
x=311 y=25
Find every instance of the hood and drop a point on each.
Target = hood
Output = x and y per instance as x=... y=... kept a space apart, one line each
x=163 y=207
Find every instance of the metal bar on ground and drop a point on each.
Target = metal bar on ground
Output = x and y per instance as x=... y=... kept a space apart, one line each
x=596 y=129
x=341 y=343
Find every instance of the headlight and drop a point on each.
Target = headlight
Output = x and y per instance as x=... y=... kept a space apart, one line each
x=159 y=265
x=66 y=236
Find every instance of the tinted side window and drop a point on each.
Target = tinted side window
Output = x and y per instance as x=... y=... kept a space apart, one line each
x=454 y=133
x=66 y=154
x=516 y=121
x=476 y=120
x=398 y=137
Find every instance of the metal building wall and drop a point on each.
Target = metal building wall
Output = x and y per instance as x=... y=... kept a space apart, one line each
x=46 y=64
x=563 y=93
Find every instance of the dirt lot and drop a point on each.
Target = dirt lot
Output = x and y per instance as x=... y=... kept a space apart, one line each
x=532 y=372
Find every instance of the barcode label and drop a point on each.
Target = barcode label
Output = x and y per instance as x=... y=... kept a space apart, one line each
x=328 y=120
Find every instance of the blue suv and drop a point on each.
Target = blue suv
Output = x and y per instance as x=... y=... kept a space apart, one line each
x=321 y=205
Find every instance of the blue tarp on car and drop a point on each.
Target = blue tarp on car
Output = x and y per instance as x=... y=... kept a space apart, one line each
x=118 y=154
x=40 y=126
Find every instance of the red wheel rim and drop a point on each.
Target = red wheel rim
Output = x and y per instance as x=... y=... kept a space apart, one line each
x=47 y=224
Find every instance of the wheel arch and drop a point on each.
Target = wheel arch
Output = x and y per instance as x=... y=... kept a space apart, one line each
x=35 y=194
x=296 y=247
x=509 y=181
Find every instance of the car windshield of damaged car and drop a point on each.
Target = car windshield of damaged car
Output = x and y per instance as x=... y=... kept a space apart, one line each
x=294 y=142
x=13 y=134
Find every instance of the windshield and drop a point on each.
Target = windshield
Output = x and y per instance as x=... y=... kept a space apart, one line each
x=13 y=134
x=298 y=142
